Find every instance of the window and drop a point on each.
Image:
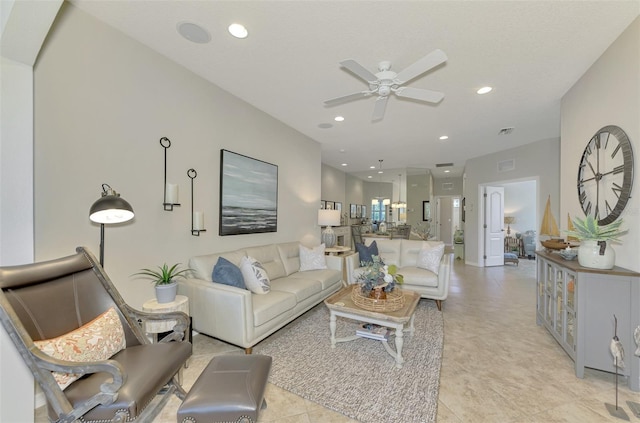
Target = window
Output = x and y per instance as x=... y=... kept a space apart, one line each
x=378 y=209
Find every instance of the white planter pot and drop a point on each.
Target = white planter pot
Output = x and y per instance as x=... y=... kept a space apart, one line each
x=590 y=255
x=166 y=293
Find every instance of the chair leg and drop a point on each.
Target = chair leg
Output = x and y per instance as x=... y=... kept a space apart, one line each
x=439 y=305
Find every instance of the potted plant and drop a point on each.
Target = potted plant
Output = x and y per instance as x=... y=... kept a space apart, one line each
x=165 y=280
x=378 y=278
x=595 y=251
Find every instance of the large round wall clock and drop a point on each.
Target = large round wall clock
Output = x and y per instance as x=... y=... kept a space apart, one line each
x=605 y=175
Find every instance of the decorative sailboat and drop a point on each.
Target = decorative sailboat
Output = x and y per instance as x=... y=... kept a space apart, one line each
x=571 y=239
x=549 y=228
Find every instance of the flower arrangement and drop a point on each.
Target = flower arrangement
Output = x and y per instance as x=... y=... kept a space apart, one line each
x=379 y=275
x=588 y=229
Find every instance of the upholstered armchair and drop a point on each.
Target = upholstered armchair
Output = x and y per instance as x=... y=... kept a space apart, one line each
x=85 y=347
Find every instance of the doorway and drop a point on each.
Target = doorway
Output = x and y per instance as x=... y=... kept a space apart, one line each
x=447 y=218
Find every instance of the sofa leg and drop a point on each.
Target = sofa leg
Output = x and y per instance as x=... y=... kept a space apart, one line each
x=439 y=305
x=248 y=350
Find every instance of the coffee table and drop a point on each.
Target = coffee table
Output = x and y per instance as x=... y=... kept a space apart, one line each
x=340 y=304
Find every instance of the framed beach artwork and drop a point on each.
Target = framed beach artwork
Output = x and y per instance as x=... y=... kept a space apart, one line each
x=248 y=195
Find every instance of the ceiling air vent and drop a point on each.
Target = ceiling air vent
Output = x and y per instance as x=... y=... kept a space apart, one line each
x=506 y=131
x=444 y=164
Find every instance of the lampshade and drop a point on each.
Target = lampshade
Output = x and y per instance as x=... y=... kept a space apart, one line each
x=508 y=220
x=110 y=208
x=329 y=217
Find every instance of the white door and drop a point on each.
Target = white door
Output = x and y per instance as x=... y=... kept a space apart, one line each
x=494 y=226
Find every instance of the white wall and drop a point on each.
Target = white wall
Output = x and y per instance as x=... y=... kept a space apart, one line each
x=520 y=202
x=102 y=103
x=538 y=160
x=607 y=94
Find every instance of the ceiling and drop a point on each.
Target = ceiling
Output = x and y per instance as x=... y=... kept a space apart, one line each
x=530 y=52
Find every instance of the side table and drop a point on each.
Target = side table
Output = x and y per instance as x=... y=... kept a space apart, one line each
x=153 y=328
x=340 y=251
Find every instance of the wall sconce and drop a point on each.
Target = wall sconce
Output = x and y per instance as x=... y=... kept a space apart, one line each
x=329 y=218
x=197 y=218
x=170 y=190
x=109 y=209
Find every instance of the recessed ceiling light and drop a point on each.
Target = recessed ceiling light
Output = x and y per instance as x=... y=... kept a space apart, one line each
x=447 y=171
x=444 y=137
x=238 y=31
x=342 y=150
x=372 y=167
x=325 y=125
x=194 y=33
x=369 y=177
x=484 y=90
x=338 y=118
x=344 y=164
x=380 y=171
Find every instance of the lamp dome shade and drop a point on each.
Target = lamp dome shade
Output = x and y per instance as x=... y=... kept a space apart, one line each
x=111 y=209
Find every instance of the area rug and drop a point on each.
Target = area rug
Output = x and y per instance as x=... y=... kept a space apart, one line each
x=359 y=378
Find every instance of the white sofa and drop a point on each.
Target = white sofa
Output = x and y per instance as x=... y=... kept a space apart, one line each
x=243 y=318
x=404 y=254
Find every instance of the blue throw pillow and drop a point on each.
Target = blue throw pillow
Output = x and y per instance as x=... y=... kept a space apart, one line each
x=227 y=273
x=366 y=252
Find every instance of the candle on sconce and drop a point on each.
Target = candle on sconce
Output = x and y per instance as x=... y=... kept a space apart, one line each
x=172 y=194
x=198 y=221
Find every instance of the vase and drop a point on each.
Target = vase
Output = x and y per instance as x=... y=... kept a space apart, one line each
x=166 y=293
x=378 y=294
x=596 y=254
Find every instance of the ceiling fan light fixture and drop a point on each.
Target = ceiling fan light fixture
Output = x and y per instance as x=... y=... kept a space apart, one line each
x=238 y=30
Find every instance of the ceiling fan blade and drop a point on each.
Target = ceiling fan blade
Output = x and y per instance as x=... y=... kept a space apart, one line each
x=431 y=60
x=379 y=108
x=359 y=70
x=347 y=98
x=420 y=94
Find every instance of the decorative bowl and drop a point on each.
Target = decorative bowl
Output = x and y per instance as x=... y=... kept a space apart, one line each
x=568 y=254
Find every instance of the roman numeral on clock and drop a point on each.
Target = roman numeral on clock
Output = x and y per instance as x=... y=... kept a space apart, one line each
x=618 y=169
x=617 y=189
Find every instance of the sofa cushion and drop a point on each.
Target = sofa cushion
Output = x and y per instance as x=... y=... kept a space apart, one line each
x=416 y=276
x=255 y=276
x=389 y=250
x=268 y=307
x=301 y=288
x=326 y=277
x=202 y=266
x=312 y=258
x=227 y=273
x=429 y=257
x=290 y=256
x=367 y=251
x=269 y=257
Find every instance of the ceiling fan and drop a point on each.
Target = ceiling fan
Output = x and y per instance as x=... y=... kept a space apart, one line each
x=387 y=81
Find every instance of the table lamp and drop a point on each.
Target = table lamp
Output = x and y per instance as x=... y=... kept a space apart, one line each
x=509 y=220
x=329 y=218
x=109 y=209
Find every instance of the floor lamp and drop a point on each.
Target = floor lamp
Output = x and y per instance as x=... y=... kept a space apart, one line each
x=109 y=209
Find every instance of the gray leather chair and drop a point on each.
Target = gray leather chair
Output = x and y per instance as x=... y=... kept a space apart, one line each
x=46 y=300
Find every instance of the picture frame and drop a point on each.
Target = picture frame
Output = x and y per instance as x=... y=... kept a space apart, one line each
x=364 y=211
x=426 y=211
x=352 y=211
x=337 y=206
x=329 y=205
x=358 y=211
x=322 y=205
x=248 y=195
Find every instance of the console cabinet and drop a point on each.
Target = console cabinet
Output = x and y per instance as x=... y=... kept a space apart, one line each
x=577 y=304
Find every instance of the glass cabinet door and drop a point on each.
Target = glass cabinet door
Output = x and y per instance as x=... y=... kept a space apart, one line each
x=572 y=286
x=559 y=302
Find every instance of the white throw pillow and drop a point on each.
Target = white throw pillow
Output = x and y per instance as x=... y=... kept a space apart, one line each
x=312 y=258
x=429 y=258
x=255 y=276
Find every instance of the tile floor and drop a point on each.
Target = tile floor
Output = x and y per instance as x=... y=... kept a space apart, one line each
x=498 y=365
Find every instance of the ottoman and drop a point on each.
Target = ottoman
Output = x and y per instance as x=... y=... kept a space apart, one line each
x=230 y=389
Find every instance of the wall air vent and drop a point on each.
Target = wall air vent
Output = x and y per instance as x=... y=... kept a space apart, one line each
x=506 y=165
x=506 y=131
x=444 y=164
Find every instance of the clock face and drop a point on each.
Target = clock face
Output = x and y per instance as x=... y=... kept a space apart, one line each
x=605 y=175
